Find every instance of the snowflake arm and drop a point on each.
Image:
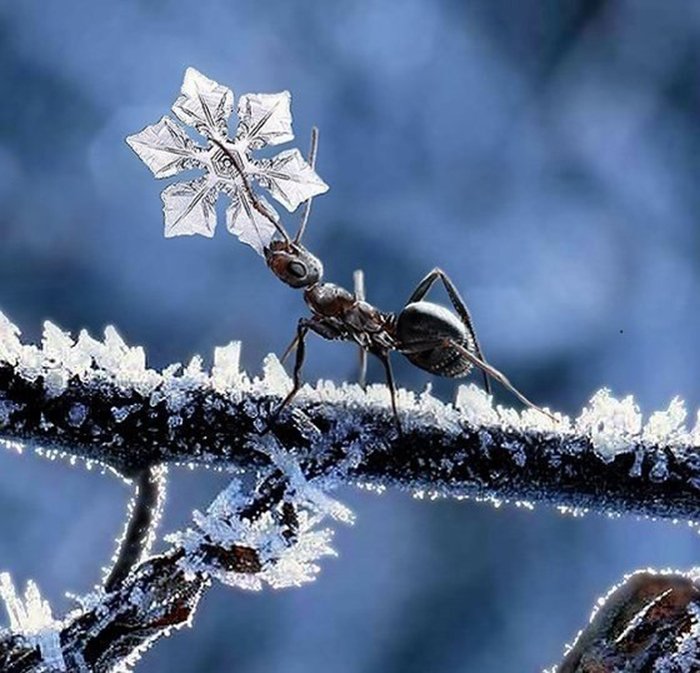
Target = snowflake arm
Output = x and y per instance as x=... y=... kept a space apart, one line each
x=190 y=208
x=204 y=104
x=265 y=119
x=165 y=148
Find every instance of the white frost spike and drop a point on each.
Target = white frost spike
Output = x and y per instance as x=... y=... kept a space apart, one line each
x=305 y=492
x=226 y=373
x=228 y=163
x=476 y=405
x=667 y=427
x=613 y=425
x=276 y=380
x=10 y=345
x=31 y=617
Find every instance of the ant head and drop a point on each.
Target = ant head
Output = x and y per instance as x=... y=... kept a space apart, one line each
x=293 y=264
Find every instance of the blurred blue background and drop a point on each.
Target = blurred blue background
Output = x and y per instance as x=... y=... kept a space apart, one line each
x=546 y=154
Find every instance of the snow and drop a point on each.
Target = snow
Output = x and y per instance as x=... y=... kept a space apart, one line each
x=667 y=427
x=31 y=618
x=227 y=163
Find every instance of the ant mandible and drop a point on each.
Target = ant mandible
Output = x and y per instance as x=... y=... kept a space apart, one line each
x=431 y=336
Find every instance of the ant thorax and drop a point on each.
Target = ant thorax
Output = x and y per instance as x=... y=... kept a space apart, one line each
x=341 y=312
x=329 y=300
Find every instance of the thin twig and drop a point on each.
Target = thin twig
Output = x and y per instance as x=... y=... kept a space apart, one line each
x=144 y=516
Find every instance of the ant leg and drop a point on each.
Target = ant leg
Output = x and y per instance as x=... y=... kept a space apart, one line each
x=300 y=340
x=497 y=375
x=457 y=302
x=359 y=281
x=290 y=349
x=391 y=383
x=362 y=374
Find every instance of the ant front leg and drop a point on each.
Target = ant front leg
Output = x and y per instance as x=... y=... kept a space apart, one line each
x=300 y=343
x=459 y=305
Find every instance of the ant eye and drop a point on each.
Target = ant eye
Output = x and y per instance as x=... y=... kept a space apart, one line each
x=297 y=269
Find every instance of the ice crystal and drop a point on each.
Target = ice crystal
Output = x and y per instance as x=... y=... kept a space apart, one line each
x=228 y=163
x=668 y=426
x=613 y=425
x=9 y=341
x=283 y=562
x=31 y=618
x=686 y=657
x=226 y=373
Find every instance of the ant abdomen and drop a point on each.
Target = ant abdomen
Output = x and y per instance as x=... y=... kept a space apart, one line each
x=424 y=331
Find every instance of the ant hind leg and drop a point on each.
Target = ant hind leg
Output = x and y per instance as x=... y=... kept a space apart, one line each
x=391 y=383
x=498 y=376
x=359 y=281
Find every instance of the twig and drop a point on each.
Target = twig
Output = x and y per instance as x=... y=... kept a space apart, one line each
x=648 y=623
x=142 y=522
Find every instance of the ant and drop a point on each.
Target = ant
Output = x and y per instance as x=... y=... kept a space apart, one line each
x=432 y=337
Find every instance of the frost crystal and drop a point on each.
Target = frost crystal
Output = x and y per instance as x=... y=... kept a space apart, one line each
x=280 y=559
x=613 y=425
x=226 y=372
x=668 y=426
x=9 y=340
x=227 y=162
x=31 y=617
x=476 y=405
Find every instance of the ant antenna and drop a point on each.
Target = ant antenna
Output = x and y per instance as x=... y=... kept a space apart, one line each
x=313 y=151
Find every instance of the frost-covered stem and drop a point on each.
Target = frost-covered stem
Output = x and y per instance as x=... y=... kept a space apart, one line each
x=159 y=594
x=152 y=601
x=351 y=435
x=144 y=515
x=648 y=624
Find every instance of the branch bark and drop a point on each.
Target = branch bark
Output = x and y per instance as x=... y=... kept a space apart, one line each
x=351 y=436
x=648 y=623
x=142 y=521
x=155 y=599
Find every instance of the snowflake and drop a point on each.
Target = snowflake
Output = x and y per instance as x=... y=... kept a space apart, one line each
x=228 y=163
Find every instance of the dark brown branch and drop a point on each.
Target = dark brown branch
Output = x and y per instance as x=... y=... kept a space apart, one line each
x=356 y=442
x=152 y=601
x=144 y=515
x=649 y=623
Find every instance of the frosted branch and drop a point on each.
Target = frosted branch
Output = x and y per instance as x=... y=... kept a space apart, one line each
x=278 y=544
x=98 y=401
